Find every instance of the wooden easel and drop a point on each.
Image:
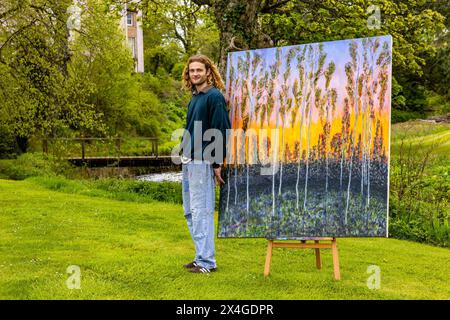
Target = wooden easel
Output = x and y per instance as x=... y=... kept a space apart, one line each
x=304 y=245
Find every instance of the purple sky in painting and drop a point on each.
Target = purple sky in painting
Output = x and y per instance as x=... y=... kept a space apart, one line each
x=337 y=51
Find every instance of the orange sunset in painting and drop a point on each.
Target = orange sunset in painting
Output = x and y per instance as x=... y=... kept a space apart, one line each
x=309 y=153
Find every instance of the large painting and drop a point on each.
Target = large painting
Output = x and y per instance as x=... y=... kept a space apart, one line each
x=309 y=152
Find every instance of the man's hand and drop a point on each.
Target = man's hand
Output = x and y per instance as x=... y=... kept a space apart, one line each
x=219 y=180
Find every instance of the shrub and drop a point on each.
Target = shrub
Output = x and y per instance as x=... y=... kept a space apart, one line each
x=33 y=164
x=404 y=115
x=409 y=230
x=146 y=190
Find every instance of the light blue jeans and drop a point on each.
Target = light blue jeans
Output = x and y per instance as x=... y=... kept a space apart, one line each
x=198 y=205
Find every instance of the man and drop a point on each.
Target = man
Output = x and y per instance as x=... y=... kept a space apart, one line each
x=206 y=110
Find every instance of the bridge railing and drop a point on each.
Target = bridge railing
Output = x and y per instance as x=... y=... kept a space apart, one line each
x=95 y=147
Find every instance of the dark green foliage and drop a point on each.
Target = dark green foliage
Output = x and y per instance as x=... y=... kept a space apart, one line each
x=115 y=188
x=8 y=144
x=419 y=201
x=420 y=209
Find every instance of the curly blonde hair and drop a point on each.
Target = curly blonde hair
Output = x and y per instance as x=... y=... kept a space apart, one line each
x=214 y=77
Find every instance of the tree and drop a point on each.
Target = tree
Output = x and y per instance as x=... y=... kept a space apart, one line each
x=176 y=29
x=259 y=24
x=354 y=90
x=35 y=54
x=317 y=20
x=275 y=71
x=437 y=66
x=84 y=86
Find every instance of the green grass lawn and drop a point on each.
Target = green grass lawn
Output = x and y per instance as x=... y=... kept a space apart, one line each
x=129 y=250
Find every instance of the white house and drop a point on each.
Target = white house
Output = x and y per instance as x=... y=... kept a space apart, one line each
x=131 y=24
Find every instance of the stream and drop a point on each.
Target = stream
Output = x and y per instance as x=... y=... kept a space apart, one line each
x=176 y=176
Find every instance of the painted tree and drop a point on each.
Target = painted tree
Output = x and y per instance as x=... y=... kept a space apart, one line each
x=375 y=76
x=264 y=94
x=329 y=102
x=352 y=70
x=285 y=106
x=264 y=101
x=364 y=135
x=292 y=152
x=383 y=63
x=260 y=112
x=316 y=58
x=300 y=98
x=241 y=115
x=234 y=102
x=236 y=138
x=230 y=96
x=378 y=140
x=253 y=61
x=371 y=83
x=344 y=138
x=275 y=73
x=371 y=92
x=269 y=107
x=294 y=112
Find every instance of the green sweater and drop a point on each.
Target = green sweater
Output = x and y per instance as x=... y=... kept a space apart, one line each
x=210 y=109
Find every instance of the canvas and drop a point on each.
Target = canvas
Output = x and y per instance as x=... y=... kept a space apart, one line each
x=308 y=155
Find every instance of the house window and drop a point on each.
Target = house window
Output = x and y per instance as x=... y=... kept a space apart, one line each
x=132 y=45
x=130 y=18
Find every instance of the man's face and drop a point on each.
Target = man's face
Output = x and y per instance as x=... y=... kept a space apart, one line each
x=198 y=73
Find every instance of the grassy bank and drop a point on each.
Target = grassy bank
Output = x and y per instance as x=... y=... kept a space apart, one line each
x=419 y=199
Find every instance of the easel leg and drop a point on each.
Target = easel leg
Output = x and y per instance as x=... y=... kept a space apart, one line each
x=318 y=259
x=268 y=258
x=334 y=250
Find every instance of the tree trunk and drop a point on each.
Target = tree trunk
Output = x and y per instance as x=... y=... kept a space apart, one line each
x=238 y=25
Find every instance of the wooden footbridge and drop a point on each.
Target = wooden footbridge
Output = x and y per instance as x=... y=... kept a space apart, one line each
x=109 y=152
